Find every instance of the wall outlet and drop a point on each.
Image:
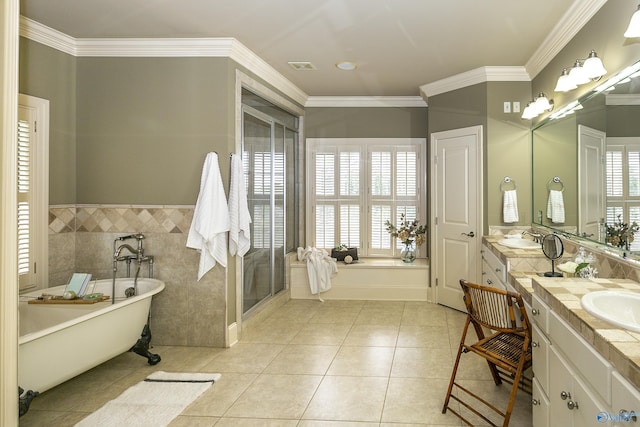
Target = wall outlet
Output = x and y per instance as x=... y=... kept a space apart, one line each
x=516 y=107
x=507 y=107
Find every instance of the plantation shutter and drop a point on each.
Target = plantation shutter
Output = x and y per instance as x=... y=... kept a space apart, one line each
x=25 y=266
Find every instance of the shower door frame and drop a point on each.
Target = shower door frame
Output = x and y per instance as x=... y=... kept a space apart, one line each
x=273 y=124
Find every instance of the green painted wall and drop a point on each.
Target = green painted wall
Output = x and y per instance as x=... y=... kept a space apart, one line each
x=50 y=74
x=146 y=124
x=365 y=122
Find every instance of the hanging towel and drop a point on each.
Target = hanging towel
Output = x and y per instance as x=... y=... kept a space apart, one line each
x=239 y=216
x=208 y=232
x=510 y=206
x=555 y=206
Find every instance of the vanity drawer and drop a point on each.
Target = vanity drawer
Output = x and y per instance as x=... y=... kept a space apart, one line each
x=495 y=265
x=489 y=278
x=595 y=369
x=540 y=313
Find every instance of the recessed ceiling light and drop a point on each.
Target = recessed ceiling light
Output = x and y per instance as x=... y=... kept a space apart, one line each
x=346 y=66
x=302 y=65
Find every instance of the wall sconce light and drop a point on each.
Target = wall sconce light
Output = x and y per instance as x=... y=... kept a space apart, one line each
x=582 y=72
x=634 y=25
x=537 y=107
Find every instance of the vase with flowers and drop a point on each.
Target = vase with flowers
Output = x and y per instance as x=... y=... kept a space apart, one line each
x=621 y=233
x=410 y=233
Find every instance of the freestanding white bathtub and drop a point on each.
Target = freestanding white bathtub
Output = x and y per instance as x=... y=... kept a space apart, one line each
x=59 y=341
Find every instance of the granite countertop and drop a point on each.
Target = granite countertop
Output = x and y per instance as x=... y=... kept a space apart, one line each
x=505 y=252
x=619 y=346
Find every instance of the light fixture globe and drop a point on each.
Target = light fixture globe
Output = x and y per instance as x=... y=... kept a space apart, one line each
x=633 y=30
x=565 y=83
x=542 y=103
x=529 y=111
x=578 y=75
x=593 y=67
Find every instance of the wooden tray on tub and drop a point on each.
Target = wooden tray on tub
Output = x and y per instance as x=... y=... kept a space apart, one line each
x=59 y=300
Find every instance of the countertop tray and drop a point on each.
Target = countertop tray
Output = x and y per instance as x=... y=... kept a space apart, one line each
x=60 y=300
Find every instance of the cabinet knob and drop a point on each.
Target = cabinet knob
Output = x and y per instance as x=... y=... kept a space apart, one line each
x=572 y=405
x=489 y=282
x=535 y=311
x=535 y=344
x=564 y=395
x=535 y=402
x=498 y=270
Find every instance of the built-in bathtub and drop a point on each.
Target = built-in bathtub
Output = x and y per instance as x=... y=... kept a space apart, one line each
x=60 y=341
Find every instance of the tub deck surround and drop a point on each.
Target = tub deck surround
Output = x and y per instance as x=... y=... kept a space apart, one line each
x=368 y=279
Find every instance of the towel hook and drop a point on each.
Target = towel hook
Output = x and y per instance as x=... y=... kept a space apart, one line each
x=506 y=181
x=555 y=180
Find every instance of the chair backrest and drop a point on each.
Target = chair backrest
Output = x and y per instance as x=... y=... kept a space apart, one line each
x=495 y=308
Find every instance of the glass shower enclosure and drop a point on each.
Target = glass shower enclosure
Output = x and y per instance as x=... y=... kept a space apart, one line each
x=269 y=147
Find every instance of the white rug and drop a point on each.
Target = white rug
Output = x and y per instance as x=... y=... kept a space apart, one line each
x=154 y=402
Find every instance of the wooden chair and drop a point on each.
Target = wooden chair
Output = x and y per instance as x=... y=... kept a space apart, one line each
x=507 y=348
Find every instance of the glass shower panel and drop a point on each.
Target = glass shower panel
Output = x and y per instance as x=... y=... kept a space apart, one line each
x=293 y=191
x=257 y=275
x=279 y=181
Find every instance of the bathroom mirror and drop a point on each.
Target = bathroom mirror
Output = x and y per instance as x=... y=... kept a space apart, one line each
x=553 y=249
x=592 y=158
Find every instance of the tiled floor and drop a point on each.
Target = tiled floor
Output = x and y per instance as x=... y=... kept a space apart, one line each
x=310 y=364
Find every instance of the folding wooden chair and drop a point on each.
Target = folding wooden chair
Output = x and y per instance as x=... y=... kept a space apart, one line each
x=507 y=348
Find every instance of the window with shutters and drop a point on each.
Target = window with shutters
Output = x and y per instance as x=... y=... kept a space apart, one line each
x=623 y=184
x=33 y=191
x=357 y=185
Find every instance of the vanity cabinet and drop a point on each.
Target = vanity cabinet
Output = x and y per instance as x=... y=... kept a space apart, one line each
x=494 y=271
x=573 y=384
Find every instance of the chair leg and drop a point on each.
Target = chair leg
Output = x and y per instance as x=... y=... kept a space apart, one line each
x=455 y=365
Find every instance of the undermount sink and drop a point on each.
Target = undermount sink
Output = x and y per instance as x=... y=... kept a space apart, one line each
x=519 y=243
x=618 y=308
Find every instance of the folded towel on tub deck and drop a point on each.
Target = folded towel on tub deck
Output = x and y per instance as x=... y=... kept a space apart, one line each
x=208 y=232
x=555 y=206
x=510 y=206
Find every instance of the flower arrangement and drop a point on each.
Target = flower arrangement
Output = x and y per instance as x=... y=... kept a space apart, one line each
x=620 y=233
x=407 y=232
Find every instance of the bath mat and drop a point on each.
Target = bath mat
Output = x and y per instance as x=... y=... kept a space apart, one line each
x=153 y=402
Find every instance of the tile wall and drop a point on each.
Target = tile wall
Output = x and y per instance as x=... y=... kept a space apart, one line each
x=187 y=311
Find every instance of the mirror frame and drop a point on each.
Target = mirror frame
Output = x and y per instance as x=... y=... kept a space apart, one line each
x=569 y=109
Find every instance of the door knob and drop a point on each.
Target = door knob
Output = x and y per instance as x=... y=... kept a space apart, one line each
x=469 y=234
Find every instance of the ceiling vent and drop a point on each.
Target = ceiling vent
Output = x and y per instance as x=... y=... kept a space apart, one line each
x=302 y=65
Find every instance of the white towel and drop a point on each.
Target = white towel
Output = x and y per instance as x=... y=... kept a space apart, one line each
x=320 y=268
x=239 y=216
x=208 y=232
x=510 y=206
x=555 y=206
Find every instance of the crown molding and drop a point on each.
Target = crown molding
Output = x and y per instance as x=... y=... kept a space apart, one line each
x=47 y=36
x=580 y=12
x=365 y=101
x=144 y=47
x=476 y=76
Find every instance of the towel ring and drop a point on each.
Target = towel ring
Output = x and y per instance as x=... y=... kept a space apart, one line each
x=505 y=182
x=555 y=180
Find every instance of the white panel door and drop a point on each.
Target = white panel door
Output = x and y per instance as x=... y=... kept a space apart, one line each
x=456 y=206
x=591 y=185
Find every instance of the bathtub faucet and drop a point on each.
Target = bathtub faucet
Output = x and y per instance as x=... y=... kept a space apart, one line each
x=135 y=254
